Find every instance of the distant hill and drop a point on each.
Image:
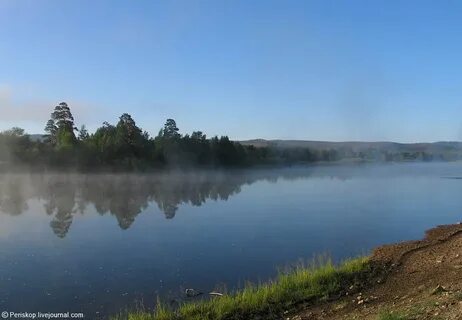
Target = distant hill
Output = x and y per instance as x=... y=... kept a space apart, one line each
x=356 y=146
x=442 y=146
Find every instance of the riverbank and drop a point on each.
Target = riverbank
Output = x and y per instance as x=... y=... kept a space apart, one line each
x=409 y=280
x=321 y=281
x=423 y=280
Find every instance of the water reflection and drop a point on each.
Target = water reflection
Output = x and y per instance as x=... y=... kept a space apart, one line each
x=123 y=196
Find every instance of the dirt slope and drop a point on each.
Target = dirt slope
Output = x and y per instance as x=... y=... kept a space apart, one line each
x=421 y=280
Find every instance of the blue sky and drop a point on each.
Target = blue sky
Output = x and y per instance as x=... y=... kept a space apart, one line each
x=318 y=70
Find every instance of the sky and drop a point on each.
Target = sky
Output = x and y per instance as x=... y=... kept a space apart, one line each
x=313 y=70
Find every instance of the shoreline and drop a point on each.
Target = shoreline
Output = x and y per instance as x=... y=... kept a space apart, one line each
x=9 y=169
x=420 y=279
x=397 y=281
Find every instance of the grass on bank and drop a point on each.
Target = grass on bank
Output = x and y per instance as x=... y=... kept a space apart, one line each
x=268 y=300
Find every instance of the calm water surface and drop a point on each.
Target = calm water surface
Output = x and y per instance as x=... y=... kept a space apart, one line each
x=99 y=243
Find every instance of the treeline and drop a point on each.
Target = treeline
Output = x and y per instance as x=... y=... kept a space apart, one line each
x=120 y=146
x=125 y=146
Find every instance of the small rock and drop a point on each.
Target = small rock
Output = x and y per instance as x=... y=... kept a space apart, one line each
x=192 y=293
x=340 y=306
x=439 y=289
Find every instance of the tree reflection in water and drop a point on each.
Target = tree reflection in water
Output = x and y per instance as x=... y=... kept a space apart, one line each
x=125 y=196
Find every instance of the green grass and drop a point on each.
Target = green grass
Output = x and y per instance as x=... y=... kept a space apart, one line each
x=269 y=300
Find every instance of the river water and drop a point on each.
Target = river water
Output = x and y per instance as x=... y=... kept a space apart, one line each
x=101 y=243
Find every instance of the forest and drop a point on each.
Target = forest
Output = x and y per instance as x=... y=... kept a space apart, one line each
x=125 y=146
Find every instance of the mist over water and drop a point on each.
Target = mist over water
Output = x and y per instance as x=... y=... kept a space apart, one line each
x=94 y=243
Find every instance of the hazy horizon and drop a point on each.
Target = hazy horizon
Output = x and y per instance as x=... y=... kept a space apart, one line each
x=296 y=70
x=310 y=140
